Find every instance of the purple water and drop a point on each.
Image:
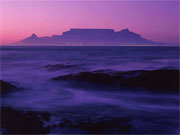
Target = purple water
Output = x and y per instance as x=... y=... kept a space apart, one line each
x=25 y=67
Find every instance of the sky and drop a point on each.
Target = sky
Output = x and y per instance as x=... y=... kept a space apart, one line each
x=154 y=20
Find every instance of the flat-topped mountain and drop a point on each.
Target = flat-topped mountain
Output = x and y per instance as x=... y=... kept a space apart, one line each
x=89 y=37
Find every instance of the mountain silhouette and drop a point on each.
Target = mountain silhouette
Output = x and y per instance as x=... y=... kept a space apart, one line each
x=89 y=37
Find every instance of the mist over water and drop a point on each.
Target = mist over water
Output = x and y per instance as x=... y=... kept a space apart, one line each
x=28 y=68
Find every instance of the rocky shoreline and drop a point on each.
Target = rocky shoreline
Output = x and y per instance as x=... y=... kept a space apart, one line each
x=32 y=122
x=22 y=121
x=163 y=80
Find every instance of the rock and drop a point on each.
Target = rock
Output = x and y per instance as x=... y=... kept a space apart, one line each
x=54 y=126
x=45 y=116
x=6 y=87
x=114 y=125
x=18 y=122
x=156 y=80
x=164 y=80
x=65 y=123
x=92 y=77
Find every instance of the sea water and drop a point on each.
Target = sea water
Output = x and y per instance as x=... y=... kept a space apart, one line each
x=27 y=68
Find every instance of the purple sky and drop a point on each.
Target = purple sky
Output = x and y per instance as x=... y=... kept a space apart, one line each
x=154 y=20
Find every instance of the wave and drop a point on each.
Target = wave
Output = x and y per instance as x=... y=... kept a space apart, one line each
x=162 y=80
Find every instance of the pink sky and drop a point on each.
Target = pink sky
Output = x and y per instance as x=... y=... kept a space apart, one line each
x=154 y=20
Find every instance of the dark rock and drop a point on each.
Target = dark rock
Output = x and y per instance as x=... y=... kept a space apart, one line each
x=157 y=80
x=6 y=87
x=54 y=126
x=93 y=77
x=65 y=123
x=61 y=125
x=164 y=80
x=46 y=130
x=18 y=122
x=45 y=116
x=118 y=125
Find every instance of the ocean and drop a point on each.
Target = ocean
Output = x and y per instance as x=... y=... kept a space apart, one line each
x=82 y=83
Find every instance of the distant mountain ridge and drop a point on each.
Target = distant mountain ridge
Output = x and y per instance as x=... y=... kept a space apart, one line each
x=89 y=37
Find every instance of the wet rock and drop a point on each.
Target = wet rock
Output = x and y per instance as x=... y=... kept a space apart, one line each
x=42 y=115
x=92 y=77
x=6 y=87
x=45 y=116
x=46 y=130
x=102 y=126
x=157 y=80
x=164 y=80
x=54 y=126
x=18 y=122
x=65 y=123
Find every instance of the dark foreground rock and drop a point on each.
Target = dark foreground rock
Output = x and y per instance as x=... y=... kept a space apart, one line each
x=101 y=126
x=6 y=87
x=19 y=122
x=163 y=80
